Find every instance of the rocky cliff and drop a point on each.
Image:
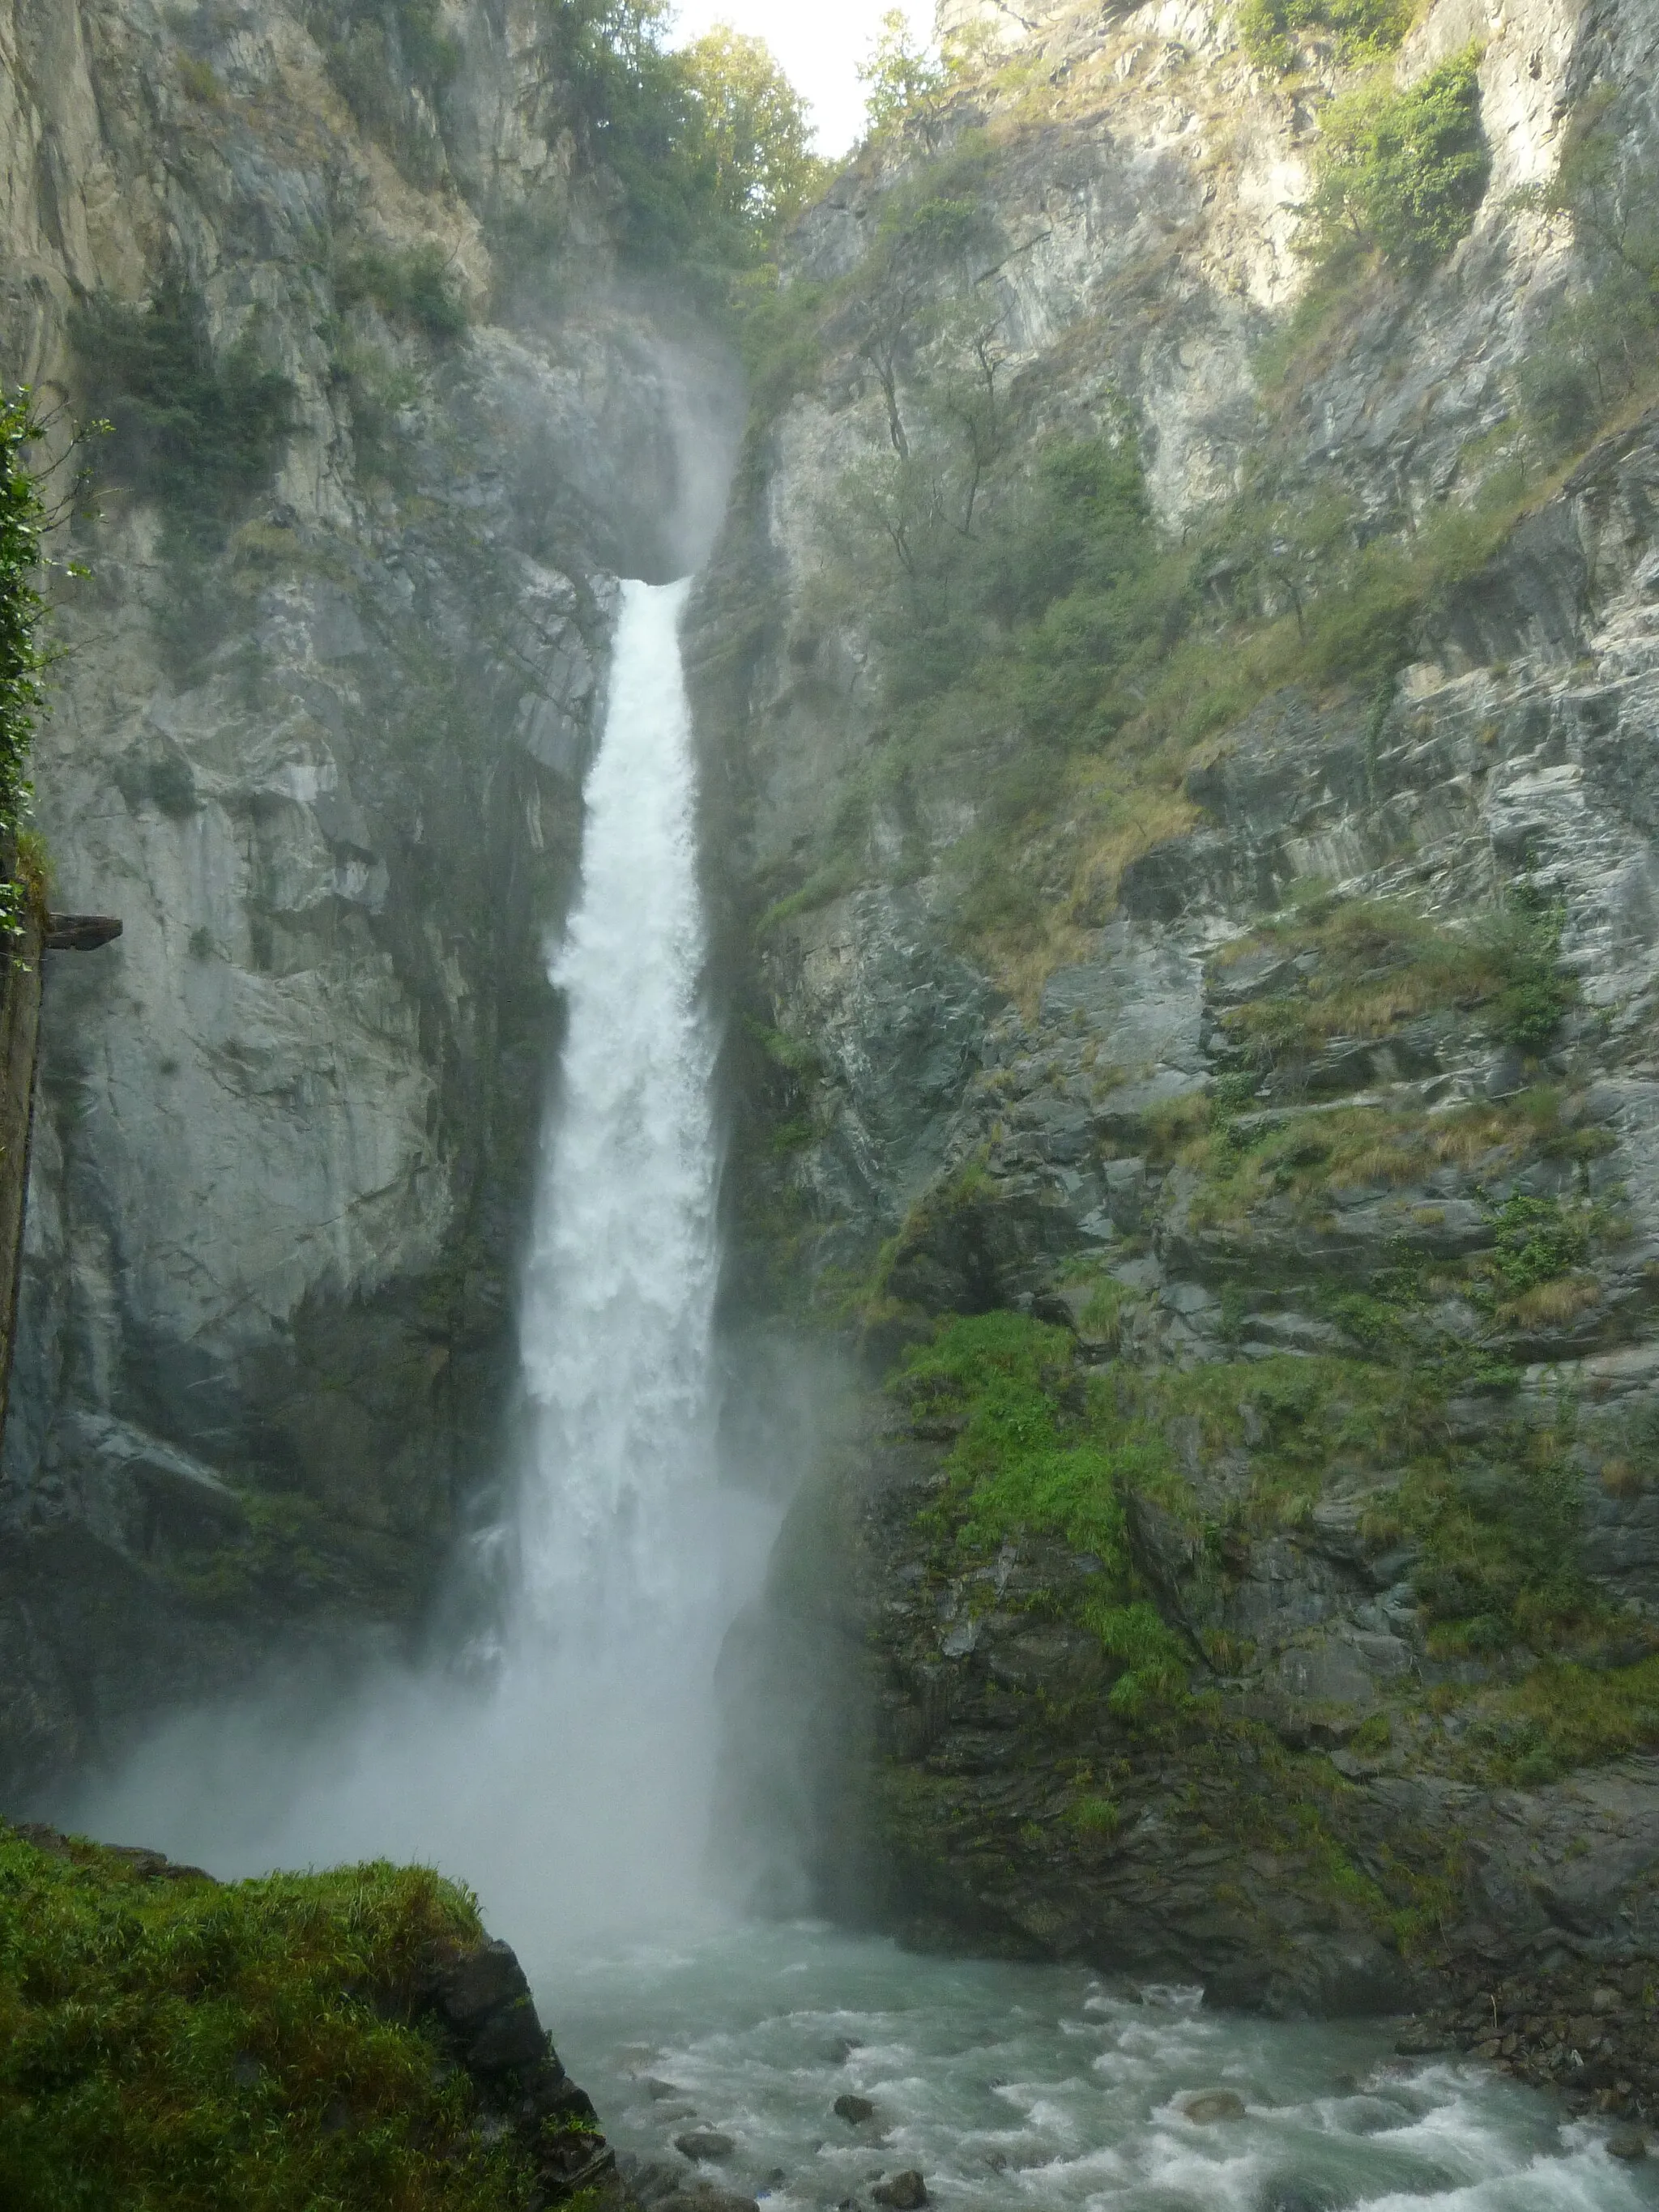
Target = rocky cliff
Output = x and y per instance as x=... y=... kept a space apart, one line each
x=1179 y=681
x=388 y=416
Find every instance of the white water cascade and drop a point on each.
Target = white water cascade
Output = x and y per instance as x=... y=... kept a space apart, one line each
x=633 y=1556
x=573 y=1793
x=619 y=1297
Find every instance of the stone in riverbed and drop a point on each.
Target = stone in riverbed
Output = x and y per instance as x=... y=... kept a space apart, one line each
x=704 y=2145
x=1212 y=2105
x=854 y=2110
x=904 y=2193
x=1627 y=2143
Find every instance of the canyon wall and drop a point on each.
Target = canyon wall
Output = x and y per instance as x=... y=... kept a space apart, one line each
x=388 y=419
x=1221 y=1112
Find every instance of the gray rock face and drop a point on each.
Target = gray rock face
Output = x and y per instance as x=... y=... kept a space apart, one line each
x=959 y=1131
x=329 y=777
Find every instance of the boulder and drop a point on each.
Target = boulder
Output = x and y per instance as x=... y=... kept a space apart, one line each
x=1212 y=2105
x=704 y=2145
x=904 y=2193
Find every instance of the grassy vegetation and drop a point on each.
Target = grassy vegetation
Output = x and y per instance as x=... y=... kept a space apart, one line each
x=1579 y=1715
x=1033 y=1456
x=1368 y=966
x=172 y=2046
x=1276 y=33
x=1039 y=1448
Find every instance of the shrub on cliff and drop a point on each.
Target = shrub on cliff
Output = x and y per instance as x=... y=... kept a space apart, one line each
x=1276 y=31
x=1402 y=173
x=197 y=430
x=1598 y=347
x=390 y=62
x=413 y=286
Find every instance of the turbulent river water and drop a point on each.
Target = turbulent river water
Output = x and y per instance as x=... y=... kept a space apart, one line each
x=574 y=1791
x=1040 y=2087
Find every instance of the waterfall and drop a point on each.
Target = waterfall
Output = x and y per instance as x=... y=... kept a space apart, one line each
x=575 y=1793
x=619 y=1298
x=633 y=1559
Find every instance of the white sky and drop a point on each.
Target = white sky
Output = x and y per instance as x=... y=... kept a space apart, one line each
x=820 y=44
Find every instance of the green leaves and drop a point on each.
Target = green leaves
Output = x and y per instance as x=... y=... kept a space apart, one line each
x=904 y=76
x=1402 y=173
x=1276 y=31
x=711 y=144
x=194 y=430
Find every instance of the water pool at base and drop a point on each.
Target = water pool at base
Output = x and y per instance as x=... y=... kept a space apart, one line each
x=1040 y=2086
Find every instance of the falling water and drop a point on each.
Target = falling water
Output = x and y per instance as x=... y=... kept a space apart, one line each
x=619 y=1298
x=633 y=1558
x=575 y=1793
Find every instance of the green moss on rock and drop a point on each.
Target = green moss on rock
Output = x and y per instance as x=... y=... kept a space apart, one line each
x=169 y=2042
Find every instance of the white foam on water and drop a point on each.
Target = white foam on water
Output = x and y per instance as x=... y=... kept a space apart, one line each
x=973 y=2070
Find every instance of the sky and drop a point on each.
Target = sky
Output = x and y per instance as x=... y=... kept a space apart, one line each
x=820 y=44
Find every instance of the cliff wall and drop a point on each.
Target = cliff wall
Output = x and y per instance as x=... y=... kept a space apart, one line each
x=1198 y=1016
x=387 y=419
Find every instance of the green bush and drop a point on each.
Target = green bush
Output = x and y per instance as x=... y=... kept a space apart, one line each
x=1402 y=173
x=1274 y=30
x=173 y=2046
x=412 y=285
x=1538 y=993
x=1537 y=1240
x=198 y=432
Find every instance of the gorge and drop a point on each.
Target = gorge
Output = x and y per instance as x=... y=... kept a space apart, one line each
x=980 y=1277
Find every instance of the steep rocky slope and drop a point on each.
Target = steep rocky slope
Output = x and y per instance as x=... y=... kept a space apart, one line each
x=1219 y=1097
x=386 y=420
